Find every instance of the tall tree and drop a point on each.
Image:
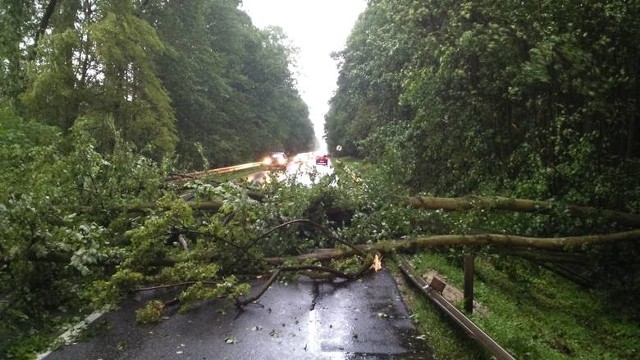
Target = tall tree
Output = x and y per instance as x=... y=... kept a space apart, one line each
x=538 y=97
x=133 y=93
x=95 y=59
x=16 y=21
x=229 y=81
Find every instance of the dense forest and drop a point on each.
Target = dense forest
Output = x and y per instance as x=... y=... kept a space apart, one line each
x=537 y=99
x=194 y=80
x=99 y=101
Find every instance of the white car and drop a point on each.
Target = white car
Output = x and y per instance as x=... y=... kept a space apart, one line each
x=277 y=160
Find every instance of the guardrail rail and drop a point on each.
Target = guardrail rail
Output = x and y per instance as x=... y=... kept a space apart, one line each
x=433 y=292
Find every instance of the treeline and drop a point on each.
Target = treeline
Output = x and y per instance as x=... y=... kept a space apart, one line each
x=535 y=99
x=193 y=79
x=99 y=100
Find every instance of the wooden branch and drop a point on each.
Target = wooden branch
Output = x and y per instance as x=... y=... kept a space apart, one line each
x=210 y=205
x=336 y=273
x=424 y=242
x=167 y=286
x=314 y=224
x=44 y=22
x=183 y=242
x=453 y=204
x=519 y=205
x=569 y=244
x=559 y=243
x=319 y=255
x=213 y=205
x=240 y=302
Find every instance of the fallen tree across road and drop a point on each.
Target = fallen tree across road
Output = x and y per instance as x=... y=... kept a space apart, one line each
x=520 y=205
x=416 y=244
x=466 y=203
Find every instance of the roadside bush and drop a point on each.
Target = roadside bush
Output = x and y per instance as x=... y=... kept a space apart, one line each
x=56 y=207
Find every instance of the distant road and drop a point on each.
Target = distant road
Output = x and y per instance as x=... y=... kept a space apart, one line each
x=302 y=169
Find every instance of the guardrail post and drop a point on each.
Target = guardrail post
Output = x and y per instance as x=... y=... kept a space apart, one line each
x=456 y=315
x=468 y=283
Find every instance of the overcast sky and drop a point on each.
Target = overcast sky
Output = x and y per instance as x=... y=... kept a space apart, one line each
x=317 y=28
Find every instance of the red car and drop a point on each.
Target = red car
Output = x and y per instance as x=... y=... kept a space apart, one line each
x=322 y=160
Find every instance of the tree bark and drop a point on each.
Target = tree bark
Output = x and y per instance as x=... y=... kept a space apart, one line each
x=519 y=205
x=44 y=22
x=425 y=242
x=453 y=204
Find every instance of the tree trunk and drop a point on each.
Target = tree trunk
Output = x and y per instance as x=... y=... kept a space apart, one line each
x=519 y=205
x=453 y=204
x=44 y=22
x=511 y=241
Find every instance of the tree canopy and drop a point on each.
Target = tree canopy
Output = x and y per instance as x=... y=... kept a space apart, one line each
x=99 y=100
x=195 y=80
x=537 y=98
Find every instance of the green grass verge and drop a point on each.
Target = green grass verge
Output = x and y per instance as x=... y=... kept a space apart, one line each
x=533 y=313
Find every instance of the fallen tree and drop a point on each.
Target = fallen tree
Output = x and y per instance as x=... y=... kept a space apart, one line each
x=308 y=263
x=572 y=243
x=559 y=244
x=455 y=204
x=564 y=244
x=228 y=243
x=520 y=205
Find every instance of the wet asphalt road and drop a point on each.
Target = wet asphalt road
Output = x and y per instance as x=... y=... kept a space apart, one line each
x=304 y=320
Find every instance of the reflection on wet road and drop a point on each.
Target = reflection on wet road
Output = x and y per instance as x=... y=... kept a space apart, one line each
x=302 y=320
x=302 y=169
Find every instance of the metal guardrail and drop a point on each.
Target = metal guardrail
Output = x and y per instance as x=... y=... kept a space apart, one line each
x=222 y=170
x=458 y=317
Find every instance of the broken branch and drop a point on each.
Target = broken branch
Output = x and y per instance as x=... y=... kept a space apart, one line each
x=519 y=205
x=424 y=242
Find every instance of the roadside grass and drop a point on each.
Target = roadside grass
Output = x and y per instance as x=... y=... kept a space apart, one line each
x=356 y=164
x=532 y=313
x=445 y=339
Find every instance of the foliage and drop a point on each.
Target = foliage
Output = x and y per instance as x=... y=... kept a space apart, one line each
x=150 y=313
x=536 y=314
x=535 y=100
x=56 y=212
x=495 y=98
x=166 y=75
x=98 y=62
x=86 y=87
x=230 y=83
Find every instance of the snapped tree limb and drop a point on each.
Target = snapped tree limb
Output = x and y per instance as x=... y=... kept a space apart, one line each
x=519 y=205
x=416 y=244
x=453 y=204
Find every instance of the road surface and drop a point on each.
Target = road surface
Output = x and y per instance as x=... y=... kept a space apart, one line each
x=301 y=169
x=303 y=320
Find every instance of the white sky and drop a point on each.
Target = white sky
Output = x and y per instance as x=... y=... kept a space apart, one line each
x=317 y=28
